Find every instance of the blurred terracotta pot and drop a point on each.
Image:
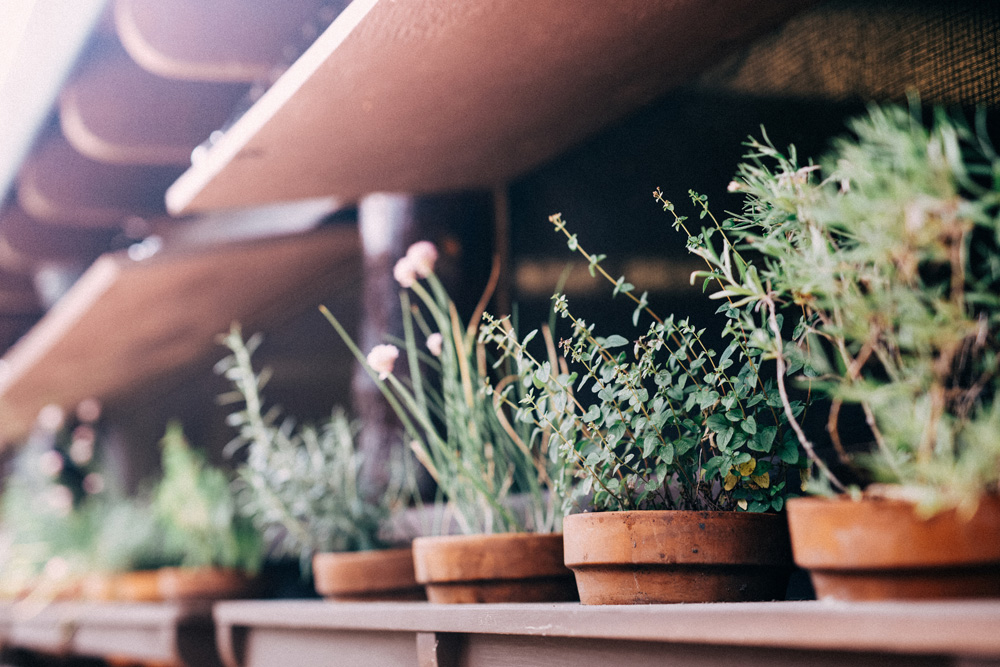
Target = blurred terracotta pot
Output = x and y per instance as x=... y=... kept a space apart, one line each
x=204 y=583
x=506 y=567
x=646 y=557
x=138 y=586
x=877 y=549
x=367 y=575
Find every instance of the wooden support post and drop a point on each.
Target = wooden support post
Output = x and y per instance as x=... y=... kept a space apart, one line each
x=386 y=223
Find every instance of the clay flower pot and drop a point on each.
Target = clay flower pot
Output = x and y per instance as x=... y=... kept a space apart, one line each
x=367 y=575
x=877 y=549
x=646 y=557
x=506 y=567
x=204 y=583
x=137 y=586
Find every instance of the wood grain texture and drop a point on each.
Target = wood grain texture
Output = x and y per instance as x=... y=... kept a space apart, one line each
x=59 y=185
x=930 y=628
x=438 y=95
x=221 y=40
x=125 y=324
x=115 y=111
x=32 y=242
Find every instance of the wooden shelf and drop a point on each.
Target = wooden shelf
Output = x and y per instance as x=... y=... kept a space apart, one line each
x=261 y=634
x=165 y=633
x=439 y=95
x=115 y=111
x=59 y=185
x=222 y=40
x=126 y=323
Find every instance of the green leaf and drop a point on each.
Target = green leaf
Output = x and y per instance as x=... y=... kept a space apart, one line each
x=763 y=439
x=725 y=437
x=749 y=425
x=614 y=340
x=717 y=423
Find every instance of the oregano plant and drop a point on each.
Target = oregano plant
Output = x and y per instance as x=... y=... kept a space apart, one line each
x=657 y=419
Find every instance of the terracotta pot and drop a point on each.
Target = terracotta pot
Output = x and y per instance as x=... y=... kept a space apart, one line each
x=367 y=575
x=138 y=586
x=98 y=587
x=204 y=583
x=646 y=557
x=506 y=567
x=880 y=549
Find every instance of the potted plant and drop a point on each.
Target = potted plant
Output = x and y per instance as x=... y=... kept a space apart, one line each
x=70 y=531
x=483 y=465
x=220 y=551
x=299 y=485
x=887 y=250
x=683 y=453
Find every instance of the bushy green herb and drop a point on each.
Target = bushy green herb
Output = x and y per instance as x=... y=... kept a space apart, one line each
x=477 y=457
x=299 y=484
x=197 y=511
x=887 y=253
x=671 y=424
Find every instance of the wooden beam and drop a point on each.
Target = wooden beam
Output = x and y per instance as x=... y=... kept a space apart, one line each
x=127 y=323
x=115 y=111
x=441 y=95
x=222 y=40
x=58 y=185
x=33 y=242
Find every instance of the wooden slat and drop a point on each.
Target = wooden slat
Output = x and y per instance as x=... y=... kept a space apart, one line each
x=754 y=629
x=436 y=95
x=115 y=111
x=31 y=242
x=126 y=323
x=221 y=40
x=56 y=184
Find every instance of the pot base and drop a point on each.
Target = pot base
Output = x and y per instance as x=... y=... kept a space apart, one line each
x=651 y=584
x=367 y=576
x=504 y=567
x=554 y=589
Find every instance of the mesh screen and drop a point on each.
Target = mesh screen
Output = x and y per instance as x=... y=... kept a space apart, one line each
x=949 y=52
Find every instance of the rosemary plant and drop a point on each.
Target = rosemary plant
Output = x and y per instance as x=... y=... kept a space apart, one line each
x=299 y=484
x=672 y=424
x=197 y=510
x=478 y=459
x=888 y=252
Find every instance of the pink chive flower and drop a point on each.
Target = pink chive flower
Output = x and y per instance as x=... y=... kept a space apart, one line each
x=434 y=342
x=404 y=272
x=422 y=256
x=382 y=358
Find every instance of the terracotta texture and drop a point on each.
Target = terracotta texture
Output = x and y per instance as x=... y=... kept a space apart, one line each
x=367 y=575
x=139 y=586
x=204 y=583
x=506 y=567
x=880 y=549
x=647 y=557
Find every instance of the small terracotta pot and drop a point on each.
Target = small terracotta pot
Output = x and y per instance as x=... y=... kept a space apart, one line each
x=367 y=575
x=645 y=557
x=877 y=549
x=204 y=583
x=138 y=586
x=506 y=567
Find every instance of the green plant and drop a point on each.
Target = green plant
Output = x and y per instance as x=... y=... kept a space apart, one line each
x=887 y=252
x=299 y=485
x=197 y=510
x=672 y=424
x=63 y=516
x=478 y=459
